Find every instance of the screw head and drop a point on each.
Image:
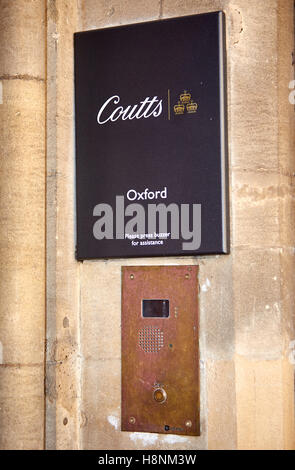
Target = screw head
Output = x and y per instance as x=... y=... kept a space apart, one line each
x=132 y=420
x=131 y=276
x=188 y=423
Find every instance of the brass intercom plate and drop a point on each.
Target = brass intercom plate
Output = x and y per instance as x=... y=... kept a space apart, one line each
x=160 y=355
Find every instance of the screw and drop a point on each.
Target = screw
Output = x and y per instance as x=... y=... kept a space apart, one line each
x=188 y=423
x=132 y=420
x=131 y=276
x=187 y=276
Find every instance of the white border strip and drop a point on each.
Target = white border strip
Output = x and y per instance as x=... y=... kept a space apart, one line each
x=222 y=91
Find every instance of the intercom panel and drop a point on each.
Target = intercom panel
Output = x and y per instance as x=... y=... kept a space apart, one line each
x=160 y=354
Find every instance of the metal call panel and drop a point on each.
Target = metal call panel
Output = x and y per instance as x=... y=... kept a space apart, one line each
x=160 y=355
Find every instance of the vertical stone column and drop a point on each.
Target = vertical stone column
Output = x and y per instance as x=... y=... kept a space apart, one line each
x=22 y=223
x=63 y=286
x=262 y=156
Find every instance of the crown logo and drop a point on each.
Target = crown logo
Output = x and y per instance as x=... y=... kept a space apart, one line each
x=185 y=103
x=179 y=108
x=185 y=97
x=191 y=107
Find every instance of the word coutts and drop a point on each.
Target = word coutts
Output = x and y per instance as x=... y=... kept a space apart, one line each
x=145 y=109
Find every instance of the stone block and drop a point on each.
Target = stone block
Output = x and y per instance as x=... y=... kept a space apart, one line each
x=257 y=303
x=22 y=26
x=255 y=209
x=21 y=407
x=102 y=13
x=221 y=403
x=262 y=405
x=216 y=308
x=22 y=208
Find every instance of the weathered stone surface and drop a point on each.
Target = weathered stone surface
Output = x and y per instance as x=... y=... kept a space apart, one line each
x=256 y=209
x=287 y=291
x=288 y=400
x=22 y=26
x=221 y=403
x=21 y=407
x=264 y=392
x=216 y=307
x=22 y=206
x=287 y=210
x=22 y=224
x=102 y=13
x=257 y=303
x=191 y=7
x=101 y=332
x=102 y=423
x=285 y=71
x=63 y=321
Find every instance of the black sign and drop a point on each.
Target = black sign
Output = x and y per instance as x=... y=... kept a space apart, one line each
x=151 y=143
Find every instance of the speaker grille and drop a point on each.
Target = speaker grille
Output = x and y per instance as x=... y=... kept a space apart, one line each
x=151 y=339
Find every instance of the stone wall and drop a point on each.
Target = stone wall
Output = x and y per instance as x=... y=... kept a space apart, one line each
x=246 y=298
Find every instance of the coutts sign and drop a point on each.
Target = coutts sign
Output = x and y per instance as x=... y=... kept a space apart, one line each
x=151 y=143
